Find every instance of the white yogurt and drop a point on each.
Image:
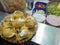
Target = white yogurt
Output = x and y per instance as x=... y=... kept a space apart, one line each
x=22 y=33
x=21 y=20
x=39 y=17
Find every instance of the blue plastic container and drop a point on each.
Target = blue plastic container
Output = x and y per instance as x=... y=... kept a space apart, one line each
x=40 y=6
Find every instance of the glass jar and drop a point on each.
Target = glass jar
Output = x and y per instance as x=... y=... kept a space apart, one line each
x=30 y=4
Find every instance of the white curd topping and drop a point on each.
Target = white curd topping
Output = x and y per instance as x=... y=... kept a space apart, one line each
x=22 y=33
